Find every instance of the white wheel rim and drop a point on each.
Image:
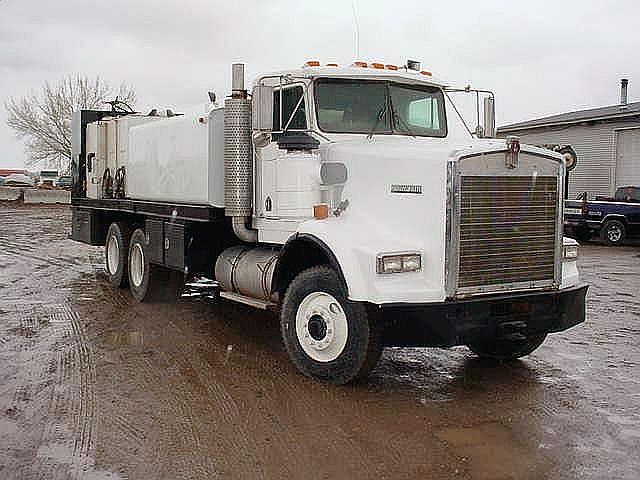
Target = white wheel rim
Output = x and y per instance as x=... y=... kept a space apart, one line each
x=137 y=264
x=614 y=233
x=113 y=255
x=321 y=327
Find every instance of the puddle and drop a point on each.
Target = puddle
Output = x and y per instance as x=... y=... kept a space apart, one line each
x=494 y=453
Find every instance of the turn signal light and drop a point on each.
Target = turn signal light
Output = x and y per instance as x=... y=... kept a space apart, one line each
x=320 y=211
x=312 y=63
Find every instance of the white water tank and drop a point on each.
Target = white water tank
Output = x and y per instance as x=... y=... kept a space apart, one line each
x=178 y=159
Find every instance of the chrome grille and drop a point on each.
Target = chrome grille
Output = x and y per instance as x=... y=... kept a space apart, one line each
x=507 y=231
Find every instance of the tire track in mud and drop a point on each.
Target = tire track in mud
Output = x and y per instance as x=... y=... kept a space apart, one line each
x=330 y=435
x=41 y=343
x=68 y=436
x=27 y=251
x=54 y=396
x=202 y=397
x=291 y=417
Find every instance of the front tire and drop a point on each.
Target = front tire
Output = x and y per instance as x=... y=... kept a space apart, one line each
x=613 y=232
x=116 y=251
x=328 y=337
x=507 y=349
x=147 y=282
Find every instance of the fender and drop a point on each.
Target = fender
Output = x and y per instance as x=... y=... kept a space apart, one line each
x=356 y=240
x=614 y=216
x=281 y=276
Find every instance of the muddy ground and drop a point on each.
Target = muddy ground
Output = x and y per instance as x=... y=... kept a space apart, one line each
x=95 y=386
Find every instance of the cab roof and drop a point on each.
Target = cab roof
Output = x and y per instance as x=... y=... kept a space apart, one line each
x=401 y=75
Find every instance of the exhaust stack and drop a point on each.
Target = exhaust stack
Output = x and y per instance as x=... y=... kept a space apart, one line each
x=238 y=157
x=624 y=85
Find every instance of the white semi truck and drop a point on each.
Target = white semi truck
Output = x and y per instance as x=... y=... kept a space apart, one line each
x=352 y=200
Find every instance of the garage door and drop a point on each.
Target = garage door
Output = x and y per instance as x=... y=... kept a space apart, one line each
x=628 y=158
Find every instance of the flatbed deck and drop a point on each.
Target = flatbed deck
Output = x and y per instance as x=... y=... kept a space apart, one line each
x=174 y=211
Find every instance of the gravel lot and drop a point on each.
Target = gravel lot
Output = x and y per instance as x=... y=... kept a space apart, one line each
x=95 y=386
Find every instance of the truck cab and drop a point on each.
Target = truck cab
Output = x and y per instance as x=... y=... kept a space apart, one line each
x=359 y=206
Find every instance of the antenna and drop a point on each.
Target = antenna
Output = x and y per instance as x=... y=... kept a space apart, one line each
x=356 y=28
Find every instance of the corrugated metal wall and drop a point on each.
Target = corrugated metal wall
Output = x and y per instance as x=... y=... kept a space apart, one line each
x=595 y=145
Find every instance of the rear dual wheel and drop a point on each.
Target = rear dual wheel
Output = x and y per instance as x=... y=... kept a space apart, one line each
x=116 y=251
x=148 y=282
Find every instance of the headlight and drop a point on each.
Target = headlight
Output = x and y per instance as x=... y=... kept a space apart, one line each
x=398 y=262
x=570 y=252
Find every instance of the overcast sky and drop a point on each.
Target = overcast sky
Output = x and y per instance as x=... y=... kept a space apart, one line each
x=540 y=57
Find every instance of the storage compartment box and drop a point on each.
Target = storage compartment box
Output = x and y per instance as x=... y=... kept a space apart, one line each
x=87 y=227
x=166 y=243
x=174 y=246
x=154 y=230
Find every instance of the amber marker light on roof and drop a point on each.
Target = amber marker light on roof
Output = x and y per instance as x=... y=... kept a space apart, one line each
x=312 y=63
x=360 y=64
x=332 y=64
x=391 y=67
x=377 y=65
x=424 y=72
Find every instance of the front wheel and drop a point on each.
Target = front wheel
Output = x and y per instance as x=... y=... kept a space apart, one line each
x=328 y=337
x=507 y=349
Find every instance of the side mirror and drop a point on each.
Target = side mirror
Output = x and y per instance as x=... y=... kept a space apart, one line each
x=489 y=118
x=262 y=108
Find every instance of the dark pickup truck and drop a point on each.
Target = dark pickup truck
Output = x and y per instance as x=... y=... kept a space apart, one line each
x=613 y=219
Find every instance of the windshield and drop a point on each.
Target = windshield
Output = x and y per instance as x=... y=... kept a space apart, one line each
x=374 y=106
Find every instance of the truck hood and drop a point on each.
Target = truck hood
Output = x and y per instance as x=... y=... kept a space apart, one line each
x=397 y=192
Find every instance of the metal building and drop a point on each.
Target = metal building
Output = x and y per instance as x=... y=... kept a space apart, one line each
x=606 y=140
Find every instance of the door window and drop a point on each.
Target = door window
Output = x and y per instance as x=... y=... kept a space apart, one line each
x=294 y=116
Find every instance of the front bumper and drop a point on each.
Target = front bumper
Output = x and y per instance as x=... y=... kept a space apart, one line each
x=460 y=322
x=576 y=223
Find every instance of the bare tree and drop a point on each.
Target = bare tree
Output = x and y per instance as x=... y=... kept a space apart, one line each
x=43 y=120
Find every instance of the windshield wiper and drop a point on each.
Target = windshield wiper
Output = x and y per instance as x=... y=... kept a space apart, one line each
x=401 y=120
x=381 y=113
